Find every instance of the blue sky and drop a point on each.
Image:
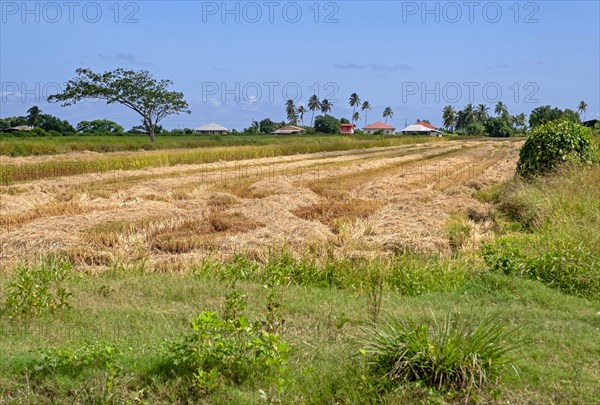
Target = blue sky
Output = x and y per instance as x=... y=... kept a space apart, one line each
x=239 y=61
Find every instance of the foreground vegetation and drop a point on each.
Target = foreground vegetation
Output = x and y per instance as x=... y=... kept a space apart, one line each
x=515 y=321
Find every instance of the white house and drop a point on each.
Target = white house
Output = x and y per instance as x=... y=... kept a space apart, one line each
x=212 y=129
x=290 y=129
x=379 y=126
x=421 y=128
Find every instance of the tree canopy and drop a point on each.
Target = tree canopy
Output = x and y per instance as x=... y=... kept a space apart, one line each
x=100 y=126
x=545 y=114
x=327 y=124
x=137 y=90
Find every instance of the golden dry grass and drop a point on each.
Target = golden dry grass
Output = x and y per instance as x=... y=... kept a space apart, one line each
x=361 y=202
x=53 y=209
x=331 y=212
x=200 y=233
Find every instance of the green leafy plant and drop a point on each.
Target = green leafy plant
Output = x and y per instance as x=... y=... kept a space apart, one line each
x=552 y=143
x=227 y=348
x=38 y=289
x=504 y=257
x=452 y=354
x=73 y=360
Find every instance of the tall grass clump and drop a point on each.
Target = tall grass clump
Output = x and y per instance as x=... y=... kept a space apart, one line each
x=450 y=354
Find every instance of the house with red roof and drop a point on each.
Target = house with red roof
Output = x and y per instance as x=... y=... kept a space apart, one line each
x=347 y=129
x=379 y=126
x=427 y=125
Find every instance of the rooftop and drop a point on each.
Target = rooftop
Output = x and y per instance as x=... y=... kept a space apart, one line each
x=379 y=125
x=212 y=127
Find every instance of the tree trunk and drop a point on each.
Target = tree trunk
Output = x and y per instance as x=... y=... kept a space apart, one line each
x=151 y=133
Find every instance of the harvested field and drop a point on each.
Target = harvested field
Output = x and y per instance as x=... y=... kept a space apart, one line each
x=366 y=201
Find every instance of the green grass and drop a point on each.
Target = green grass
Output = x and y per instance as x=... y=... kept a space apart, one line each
x=191 y=151
x=136 y=313
x=36 y=146
x=561 y=244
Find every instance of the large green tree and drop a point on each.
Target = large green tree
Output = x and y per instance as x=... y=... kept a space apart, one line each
x=544 y=114
x=51 y=123
x=100 y=127
x=137 y=90
x=327 y=124
x=267 y=126
x=499 y=127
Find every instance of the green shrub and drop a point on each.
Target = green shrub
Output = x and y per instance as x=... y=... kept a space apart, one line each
x=453 y=354
x=38 y=289
x=552 y=143
x=37 y=131
x=227 y=348
x=504 y=257
x=498 y=127
x=74 y=360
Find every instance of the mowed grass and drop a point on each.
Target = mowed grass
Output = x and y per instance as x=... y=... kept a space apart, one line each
x=134 y=313
x=191 y=151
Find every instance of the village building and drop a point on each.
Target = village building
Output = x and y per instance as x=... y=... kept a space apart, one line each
x=379 y=127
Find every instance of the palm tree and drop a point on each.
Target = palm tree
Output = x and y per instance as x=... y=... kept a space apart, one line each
x=366 y=107
x=313 y=104
x=301 y=111
x=465 y=117
x=482 y=112
x=449 y=117
x=582 y=108
x=290 y=109
x=354 y=102
x=326 y=106
x=519 y=121
x=501 y=109
x=33 y=115
x=355 y=116
x=387 y=113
